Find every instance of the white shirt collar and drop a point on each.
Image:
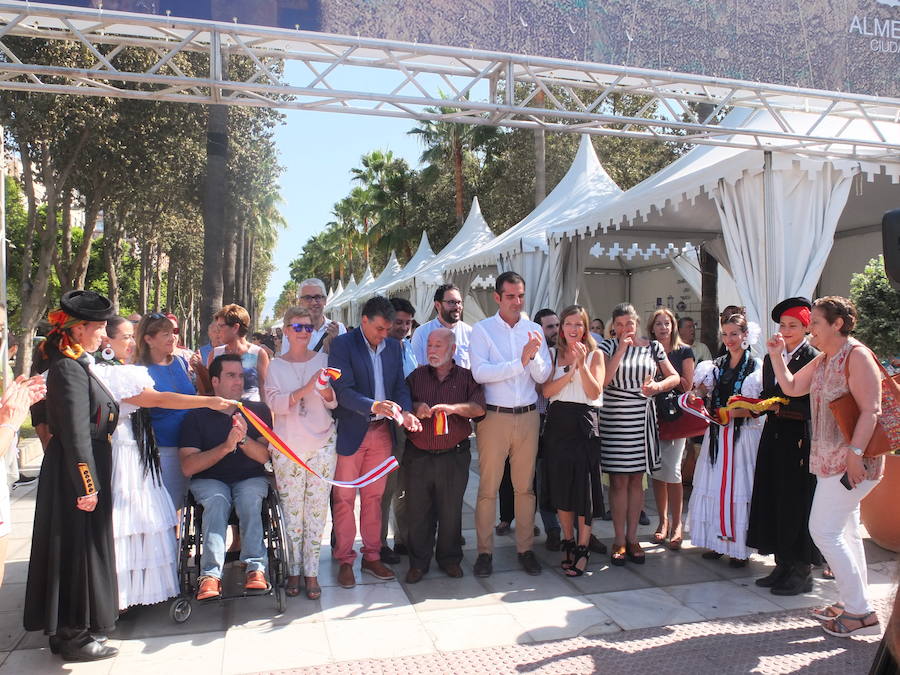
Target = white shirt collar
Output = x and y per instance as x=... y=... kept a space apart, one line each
x=787 y=356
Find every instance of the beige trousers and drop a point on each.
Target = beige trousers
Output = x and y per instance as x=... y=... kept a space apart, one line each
x=516 y=436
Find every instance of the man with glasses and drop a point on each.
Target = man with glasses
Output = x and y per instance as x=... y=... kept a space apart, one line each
x=312 y=296
x=448 y=305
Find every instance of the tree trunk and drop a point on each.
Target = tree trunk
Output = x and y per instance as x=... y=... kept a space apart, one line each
x=540 y=166
x=36 y=281
x=172 y=284
x=229 y=258
x=240 y=263
x=112 y=251
x=458 y=179
x=249 y=247
x=157 y=277
x=144 y=293
x=215 y=186
x=79 y=265
x=709 y=304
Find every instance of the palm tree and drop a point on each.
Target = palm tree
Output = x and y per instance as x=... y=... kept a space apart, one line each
x=446 y=144
x=388 y=182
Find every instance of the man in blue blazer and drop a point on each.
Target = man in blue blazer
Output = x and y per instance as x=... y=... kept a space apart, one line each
x=370 y=392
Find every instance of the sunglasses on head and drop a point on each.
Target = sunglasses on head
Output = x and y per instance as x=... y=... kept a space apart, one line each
x=157 y=315
x=298 y=327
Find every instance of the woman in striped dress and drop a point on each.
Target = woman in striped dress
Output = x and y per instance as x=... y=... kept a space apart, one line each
x=628 y=430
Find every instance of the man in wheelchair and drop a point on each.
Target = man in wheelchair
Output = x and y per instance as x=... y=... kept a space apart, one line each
x=225 y=463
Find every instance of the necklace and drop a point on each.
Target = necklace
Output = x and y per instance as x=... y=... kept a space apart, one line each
x=302 y=379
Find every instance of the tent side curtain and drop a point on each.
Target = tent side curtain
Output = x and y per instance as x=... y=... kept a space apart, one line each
x=569 y=258
x=804 y=207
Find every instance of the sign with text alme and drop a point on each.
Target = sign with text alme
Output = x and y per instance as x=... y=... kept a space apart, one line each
x=839 y=45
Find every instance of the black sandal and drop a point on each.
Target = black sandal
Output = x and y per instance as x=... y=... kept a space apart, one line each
x=581 y=553
x=567 y=546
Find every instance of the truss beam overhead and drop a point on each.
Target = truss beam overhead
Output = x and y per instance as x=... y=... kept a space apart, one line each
x=317 y=81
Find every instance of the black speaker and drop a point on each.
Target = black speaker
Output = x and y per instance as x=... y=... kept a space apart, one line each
x=890 y=240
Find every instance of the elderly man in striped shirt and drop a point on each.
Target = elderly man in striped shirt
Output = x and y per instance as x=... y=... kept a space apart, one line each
x=436 y=460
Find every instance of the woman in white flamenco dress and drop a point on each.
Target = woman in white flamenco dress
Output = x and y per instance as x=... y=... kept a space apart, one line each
x=719 y=509
x=144 y=517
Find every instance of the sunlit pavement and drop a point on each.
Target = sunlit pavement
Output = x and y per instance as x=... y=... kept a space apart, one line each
x=677 y=613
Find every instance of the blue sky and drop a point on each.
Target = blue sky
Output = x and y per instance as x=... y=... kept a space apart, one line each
x=318 y=150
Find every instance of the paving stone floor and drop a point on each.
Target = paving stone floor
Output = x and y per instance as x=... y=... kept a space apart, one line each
x=676 y=614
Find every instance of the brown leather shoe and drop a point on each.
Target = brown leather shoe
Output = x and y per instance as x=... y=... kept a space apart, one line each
x=414 y=575
x=377 y=569
x=208 y=588
x=256 y=581
x=452 y=570
x=345 y=576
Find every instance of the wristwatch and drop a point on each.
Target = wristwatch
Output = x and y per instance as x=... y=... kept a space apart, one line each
x=856 y=451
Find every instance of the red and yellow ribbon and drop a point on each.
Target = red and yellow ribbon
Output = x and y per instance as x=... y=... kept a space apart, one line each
x=375 y=474
x=441 y=423
x=723 y=415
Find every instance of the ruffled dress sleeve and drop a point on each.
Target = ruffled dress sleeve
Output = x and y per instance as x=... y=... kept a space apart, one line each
x=124 y=381
x=705 y=374
x=752 y=386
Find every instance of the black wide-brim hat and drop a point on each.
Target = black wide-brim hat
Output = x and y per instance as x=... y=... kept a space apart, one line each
x=785 y=305
x=87 y=305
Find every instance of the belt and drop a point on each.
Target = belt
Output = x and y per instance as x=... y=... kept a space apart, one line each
x=511 y=411
x=375 y=422
x=459 y=447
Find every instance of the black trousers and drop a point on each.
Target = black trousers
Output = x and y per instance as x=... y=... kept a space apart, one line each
x=435 y=483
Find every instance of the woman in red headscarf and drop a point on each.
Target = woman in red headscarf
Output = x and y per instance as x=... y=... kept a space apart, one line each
x=783 y=487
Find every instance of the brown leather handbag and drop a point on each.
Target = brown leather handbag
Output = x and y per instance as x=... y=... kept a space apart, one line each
x=886 y=437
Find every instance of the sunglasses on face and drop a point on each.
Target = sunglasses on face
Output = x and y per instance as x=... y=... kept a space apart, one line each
x=311 y=298
x=298 y=327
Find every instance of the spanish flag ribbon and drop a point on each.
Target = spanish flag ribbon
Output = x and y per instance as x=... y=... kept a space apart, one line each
x=326 y=375
x=441 y=423
x=755 y=405
x=369 y=477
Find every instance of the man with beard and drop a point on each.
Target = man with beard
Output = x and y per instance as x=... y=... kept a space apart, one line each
x=448 y=305
x=445 y=397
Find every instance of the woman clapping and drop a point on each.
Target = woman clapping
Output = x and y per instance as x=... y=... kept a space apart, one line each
x=571 y=435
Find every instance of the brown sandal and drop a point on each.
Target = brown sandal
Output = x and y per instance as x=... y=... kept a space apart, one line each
x=313 y=590
x=636 y=553
x=292 y=588
x=617 y=556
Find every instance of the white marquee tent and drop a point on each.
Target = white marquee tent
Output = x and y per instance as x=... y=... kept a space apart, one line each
x=581 y=193
x=769 y=216
x=413 y=276
x=474 y=234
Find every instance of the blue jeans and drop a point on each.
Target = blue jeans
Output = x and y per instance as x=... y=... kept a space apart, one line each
x=217 y=498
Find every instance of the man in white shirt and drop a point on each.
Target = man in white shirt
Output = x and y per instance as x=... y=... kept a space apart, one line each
x=509 y=357
x=312 y=296
x=448 y=305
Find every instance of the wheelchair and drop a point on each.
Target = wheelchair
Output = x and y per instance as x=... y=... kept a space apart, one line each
x=190 y=548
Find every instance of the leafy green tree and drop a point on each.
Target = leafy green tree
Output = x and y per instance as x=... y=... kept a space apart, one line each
x=878 y=304
x=446 y=146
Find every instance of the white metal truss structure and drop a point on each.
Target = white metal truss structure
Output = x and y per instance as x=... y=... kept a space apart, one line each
x=427 y=83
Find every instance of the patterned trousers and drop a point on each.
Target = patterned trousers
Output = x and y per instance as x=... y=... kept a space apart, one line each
x=304 y=499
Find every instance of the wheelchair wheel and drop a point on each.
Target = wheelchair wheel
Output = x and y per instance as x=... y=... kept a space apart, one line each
x=180 y=610
x=278 y=550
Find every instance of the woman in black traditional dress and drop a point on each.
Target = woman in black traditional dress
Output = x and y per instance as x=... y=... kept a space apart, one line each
x=71 y=592
x=783 y=487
